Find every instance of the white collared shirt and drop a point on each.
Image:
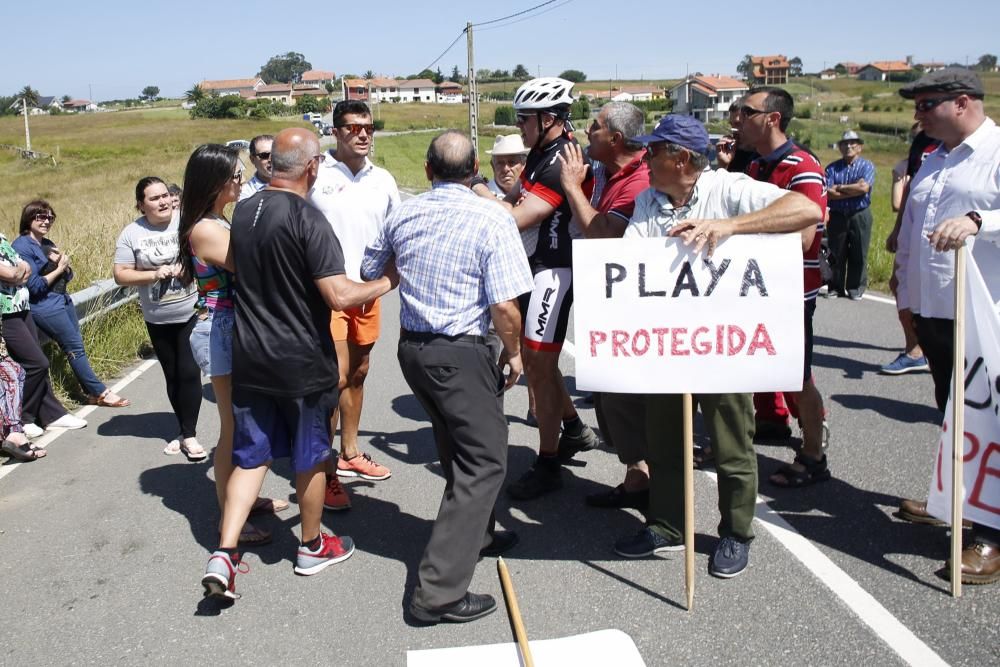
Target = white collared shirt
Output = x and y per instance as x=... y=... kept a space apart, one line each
x=948 y=185
x=356 y=205
x=717 y=194
x=252 y=187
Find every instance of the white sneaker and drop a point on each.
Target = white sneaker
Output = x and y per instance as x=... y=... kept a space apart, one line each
x=33 y=430
x=68 y=421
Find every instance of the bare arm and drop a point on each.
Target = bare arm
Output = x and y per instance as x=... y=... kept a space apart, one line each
x=595 y=225
x=341 y=293
x=129 y=276
x=849 y=190
x=15 y=275
x=211 y=243
x=793 y=212
x=507 y=322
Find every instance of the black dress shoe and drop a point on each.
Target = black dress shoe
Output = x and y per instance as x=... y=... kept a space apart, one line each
x=469 y=608
x=618 y=498
x=503 y=541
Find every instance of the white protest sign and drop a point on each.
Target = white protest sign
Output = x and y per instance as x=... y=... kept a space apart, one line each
x=981 y=454
x=594 y=649
x=652 y=317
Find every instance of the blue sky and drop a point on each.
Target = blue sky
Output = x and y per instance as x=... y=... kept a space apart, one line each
x=116 y=48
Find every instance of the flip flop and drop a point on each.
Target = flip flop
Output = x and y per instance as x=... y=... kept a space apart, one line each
x=103 y=402
x=194 y=452
x=268 y=506
x=252 y=535
x=26 y=452
x=173 y=447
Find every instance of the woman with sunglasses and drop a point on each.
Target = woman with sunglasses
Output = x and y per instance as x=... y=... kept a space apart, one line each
x=51 y=306
x=146 y=258
x=211 y=182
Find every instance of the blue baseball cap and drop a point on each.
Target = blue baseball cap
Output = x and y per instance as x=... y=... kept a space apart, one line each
x=685 y=131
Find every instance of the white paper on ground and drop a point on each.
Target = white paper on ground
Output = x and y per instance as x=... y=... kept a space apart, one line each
x=596 y=649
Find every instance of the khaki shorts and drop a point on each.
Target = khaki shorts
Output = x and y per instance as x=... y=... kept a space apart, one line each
x=357 y=325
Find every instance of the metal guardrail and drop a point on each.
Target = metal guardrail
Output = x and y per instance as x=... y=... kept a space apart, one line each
x=99 y=299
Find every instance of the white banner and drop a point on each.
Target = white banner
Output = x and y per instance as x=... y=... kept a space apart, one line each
x=652 y=317
x=981 y=454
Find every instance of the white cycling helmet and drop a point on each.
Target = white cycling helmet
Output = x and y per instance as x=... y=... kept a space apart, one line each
x=543 y=94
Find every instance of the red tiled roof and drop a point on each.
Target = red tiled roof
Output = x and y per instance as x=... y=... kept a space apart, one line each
x=318 y=75
x=384 y=83
x=274 y=88
x=223 y=84
x=889 y=66
x=722 y=82
x=449 y=85
x=417 y=83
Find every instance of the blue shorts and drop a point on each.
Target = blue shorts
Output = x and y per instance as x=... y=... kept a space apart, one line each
x=268 y=427
x=212 y=342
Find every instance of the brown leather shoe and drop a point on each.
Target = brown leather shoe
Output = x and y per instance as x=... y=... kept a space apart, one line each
x=980 y=564
x=915 y=511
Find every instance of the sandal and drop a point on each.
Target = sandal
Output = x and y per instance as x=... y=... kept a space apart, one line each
x=193 y=450
x=251 y=535
x=26 y=452
x=104 y=402
x=173 y=447
x=268 y=506
x=813 y=472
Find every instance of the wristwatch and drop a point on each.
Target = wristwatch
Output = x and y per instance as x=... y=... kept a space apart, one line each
x=976 y=218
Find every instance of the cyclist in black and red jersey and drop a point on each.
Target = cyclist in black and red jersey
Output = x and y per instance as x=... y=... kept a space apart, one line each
x=543 y=107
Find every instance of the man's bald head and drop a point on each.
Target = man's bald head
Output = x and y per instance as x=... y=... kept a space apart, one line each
x=451 y=158
x=291 y=153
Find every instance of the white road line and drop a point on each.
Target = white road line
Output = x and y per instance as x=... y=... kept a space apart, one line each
x=49 y=437
x=880 y=299
x=882 y=623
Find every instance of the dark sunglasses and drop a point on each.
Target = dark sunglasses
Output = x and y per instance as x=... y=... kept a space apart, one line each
x=750 y=112
x=523 y=118
x=45 y=216
x=356 y=128
x=928 y=104
x=266 y=155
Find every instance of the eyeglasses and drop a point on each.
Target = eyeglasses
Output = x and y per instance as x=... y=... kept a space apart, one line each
x=654 y=149
x=749 y=112
x=320 y=157
x=924 y=106
x=266 y=155
x=522 y=118
x=355 y=129
x=45 y=217
x=594 y=126
x=238 y=177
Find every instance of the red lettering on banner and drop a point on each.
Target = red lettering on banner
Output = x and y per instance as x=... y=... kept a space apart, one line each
x=618 y=340
x=761 y=340
x=596 y=338
x=660 y=335
x=676 y=342
x=734 y=348
x=700 y=347
x=975 y=447
x=985 y=471
x=940 y=457
x=644 y=335
x=719 y=332
x=965 y=457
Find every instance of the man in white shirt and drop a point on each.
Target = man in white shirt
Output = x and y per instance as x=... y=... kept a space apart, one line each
x=260 y=156
x=507 y=160
x=355 y=196
x=954 y=199
x=703 y=207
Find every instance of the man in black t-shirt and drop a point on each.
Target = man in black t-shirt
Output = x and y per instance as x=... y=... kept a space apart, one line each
x=291 y=274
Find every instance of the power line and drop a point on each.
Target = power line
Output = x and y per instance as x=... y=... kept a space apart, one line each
x=445 y=52
x=531 y=9
x=527 y=18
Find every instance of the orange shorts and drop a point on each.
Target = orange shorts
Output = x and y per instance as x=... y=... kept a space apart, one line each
x=357 y=325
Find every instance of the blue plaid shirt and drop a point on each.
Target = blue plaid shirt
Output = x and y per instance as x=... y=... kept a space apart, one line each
x=841 y=173
x=457 y=254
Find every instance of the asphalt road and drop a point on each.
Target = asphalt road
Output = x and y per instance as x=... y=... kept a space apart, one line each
x=103 y=543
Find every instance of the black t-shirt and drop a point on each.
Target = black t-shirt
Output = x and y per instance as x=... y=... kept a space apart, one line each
x=921 y=147
x=282 y=346
x=540 y=177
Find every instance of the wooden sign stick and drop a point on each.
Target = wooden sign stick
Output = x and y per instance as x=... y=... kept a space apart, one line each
x=689 y=500
x=958 y=425
x=515 y=613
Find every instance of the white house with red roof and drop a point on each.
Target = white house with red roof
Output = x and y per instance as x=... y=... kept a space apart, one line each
x=417 y=90
x=706 y=97
x=245 y=87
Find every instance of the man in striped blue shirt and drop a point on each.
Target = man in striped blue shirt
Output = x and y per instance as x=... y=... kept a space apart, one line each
x=849 y=190
x=460 y=263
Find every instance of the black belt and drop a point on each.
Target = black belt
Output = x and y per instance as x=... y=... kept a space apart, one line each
x=428 y=337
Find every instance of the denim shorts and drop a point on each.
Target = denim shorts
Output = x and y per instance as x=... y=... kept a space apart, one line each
x=212 y=342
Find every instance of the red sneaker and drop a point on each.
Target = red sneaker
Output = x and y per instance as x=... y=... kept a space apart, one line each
x=336 y=497
x=220 y=576
x=332 y=549
x=362 y=466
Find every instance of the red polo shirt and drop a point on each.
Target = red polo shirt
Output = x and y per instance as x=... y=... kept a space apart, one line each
x=618 y=197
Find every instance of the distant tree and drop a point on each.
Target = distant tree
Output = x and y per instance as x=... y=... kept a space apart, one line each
x=216 y=106
x=580 y=110
x=987 y=62
x=840 y=69
x=574 y=75
x=423 y=74
x=65 y=99
x=746 y=67
x=521 y=72
x=310 y=104
x=438 y=76
x=149 y=93
x=195 y=93
x=329 y=87
x=29 y=95
x=484 y=74
x=795 y=66
x=504 y=115
x=284 y=68
x=368 y=75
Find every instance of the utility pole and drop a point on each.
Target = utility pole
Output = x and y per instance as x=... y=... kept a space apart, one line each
x=27 y=133
x=473 y=94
